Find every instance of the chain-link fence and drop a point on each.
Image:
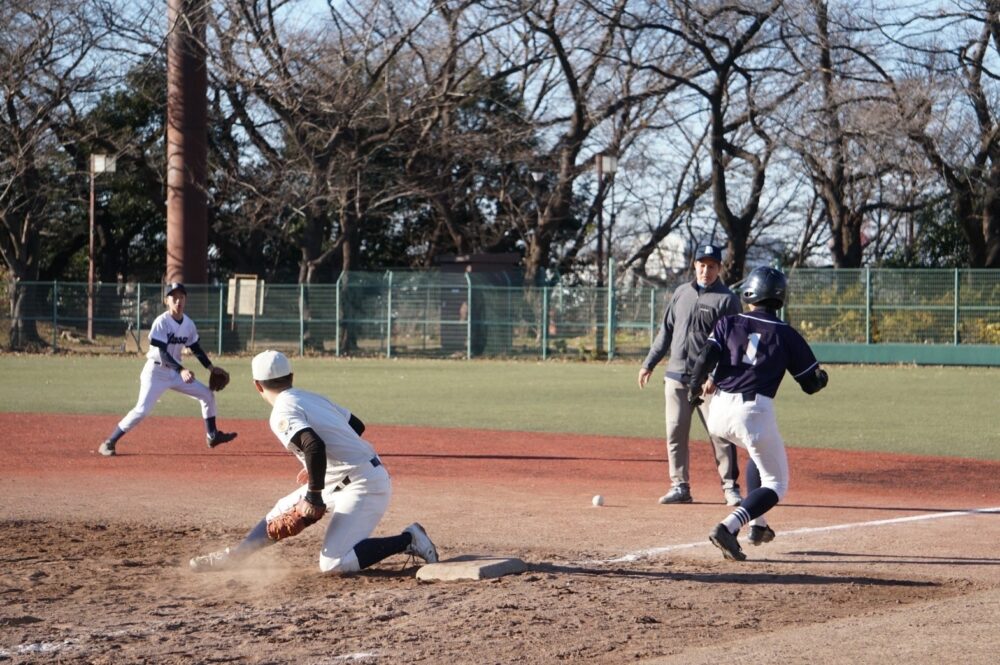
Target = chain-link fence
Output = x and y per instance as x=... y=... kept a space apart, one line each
x=869 y=306
x=464 y=315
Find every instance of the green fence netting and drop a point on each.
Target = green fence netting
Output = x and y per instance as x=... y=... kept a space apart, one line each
x=467 y=315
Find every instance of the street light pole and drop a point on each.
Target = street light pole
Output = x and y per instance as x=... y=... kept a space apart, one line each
x=606 y=165
x=98 y=164
x=90 y=259
x=600 y=222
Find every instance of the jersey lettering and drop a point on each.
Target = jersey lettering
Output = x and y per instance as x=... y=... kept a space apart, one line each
x=753 y=341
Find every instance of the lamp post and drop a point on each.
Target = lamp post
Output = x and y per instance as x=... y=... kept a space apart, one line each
x=538 y=177
x=606 y=165
x=98 y=164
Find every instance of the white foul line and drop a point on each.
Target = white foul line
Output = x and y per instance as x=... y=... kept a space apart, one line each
x=656 y=551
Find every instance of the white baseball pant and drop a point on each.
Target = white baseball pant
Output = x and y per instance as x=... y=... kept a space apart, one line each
x=355 y=512
x=154 y=380
x=753 y=426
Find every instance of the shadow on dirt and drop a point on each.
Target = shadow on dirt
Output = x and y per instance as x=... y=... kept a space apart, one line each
x=731 y=577
x=869 y=557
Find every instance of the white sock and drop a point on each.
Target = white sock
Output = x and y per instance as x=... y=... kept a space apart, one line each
x=732 y=523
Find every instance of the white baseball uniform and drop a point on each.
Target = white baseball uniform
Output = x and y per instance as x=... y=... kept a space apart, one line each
x=357 y=487
x=156 y=378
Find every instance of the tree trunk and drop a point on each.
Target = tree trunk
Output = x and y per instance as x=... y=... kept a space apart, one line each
x=23 y=330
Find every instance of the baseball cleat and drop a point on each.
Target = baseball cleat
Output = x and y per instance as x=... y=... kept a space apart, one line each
x=107 y=448
x=727 y=542
x=211 y=561
x=677 y=494
x=732 y=495
x=219 y=438
x=760 y=534
x=420 y=544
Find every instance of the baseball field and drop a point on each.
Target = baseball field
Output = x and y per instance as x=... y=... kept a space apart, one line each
x=885 y=548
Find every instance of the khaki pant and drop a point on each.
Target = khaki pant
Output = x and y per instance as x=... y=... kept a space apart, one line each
x=678 y=418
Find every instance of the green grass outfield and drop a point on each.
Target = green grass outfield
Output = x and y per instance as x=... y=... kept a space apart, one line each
x=922 y=410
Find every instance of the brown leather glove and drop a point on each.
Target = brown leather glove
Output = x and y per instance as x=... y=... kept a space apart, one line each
x=218 y=379
x=292 y=522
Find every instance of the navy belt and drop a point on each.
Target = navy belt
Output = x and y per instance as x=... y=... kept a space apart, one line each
x=375 y=462
x=749 y=396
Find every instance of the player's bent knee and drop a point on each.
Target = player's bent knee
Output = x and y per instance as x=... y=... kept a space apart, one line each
x=778 y=488
x=342 y=565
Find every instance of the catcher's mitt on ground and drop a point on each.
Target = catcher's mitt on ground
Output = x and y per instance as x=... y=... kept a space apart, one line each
x=218 y=379
x=292 y=522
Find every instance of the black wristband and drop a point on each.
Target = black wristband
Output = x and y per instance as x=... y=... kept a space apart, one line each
x=315 y=497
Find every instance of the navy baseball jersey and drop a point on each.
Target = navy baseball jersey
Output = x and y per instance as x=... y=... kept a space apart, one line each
x=757 y=349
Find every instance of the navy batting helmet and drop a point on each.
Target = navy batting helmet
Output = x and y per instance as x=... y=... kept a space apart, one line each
x=765 y=284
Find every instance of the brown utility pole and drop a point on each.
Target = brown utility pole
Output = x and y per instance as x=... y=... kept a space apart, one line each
x=187 y=138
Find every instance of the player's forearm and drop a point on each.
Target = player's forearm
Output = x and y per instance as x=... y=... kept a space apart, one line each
x=166 y=359
x=813 y=381
x=314 y=453
x=707 y=360
x=200 y=354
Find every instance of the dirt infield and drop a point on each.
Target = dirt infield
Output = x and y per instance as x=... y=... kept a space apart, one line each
x=876 y=558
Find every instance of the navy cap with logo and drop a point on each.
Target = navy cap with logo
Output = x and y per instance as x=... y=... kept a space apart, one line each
x=707 y=249
x=173 y=286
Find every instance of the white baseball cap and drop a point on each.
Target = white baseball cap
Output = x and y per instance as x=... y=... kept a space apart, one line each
x=270 y=365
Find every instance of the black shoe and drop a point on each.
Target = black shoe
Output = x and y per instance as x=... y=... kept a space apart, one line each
x=107 y=448
x=727 y=542
x=219 y=438
x=760 y=534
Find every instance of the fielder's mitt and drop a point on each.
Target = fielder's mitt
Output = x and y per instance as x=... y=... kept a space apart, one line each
x=292 y=522
x=218 y=379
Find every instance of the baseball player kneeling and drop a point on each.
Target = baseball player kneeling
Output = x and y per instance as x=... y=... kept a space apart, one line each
x=340 y=469
x=749 y=354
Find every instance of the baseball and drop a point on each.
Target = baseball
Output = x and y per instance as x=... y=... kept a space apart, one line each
x=598 y=500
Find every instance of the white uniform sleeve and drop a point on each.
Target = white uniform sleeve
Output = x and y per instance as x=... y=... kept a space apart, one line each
x=159 y=330
x=287 y=419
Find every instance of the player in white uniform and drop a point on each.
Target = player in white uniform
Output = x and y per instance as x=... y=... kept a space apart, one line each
x=170 y=333
x=339 y=469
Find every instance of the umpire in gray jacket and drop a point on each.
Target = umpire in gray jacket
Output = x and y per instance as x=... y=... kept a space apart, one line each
x=691 y=314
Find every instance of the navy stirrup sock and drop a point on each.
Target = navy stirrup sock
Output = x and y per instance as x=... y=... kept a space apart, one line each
x=372 y=550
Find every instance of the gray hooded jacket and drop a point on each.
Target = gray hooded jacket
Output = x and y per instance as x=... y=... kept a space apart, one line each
x=687 y=323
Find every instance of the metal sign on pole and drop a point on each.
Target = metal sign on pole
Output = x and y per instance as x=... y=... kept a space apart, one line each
x=246 y=296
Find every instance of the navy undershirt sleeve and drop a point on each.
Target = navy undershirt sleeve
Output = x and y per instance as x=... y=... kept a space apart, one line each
x=356 y=424
x=200 y=354
x=314 y=454
x=166 y=359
